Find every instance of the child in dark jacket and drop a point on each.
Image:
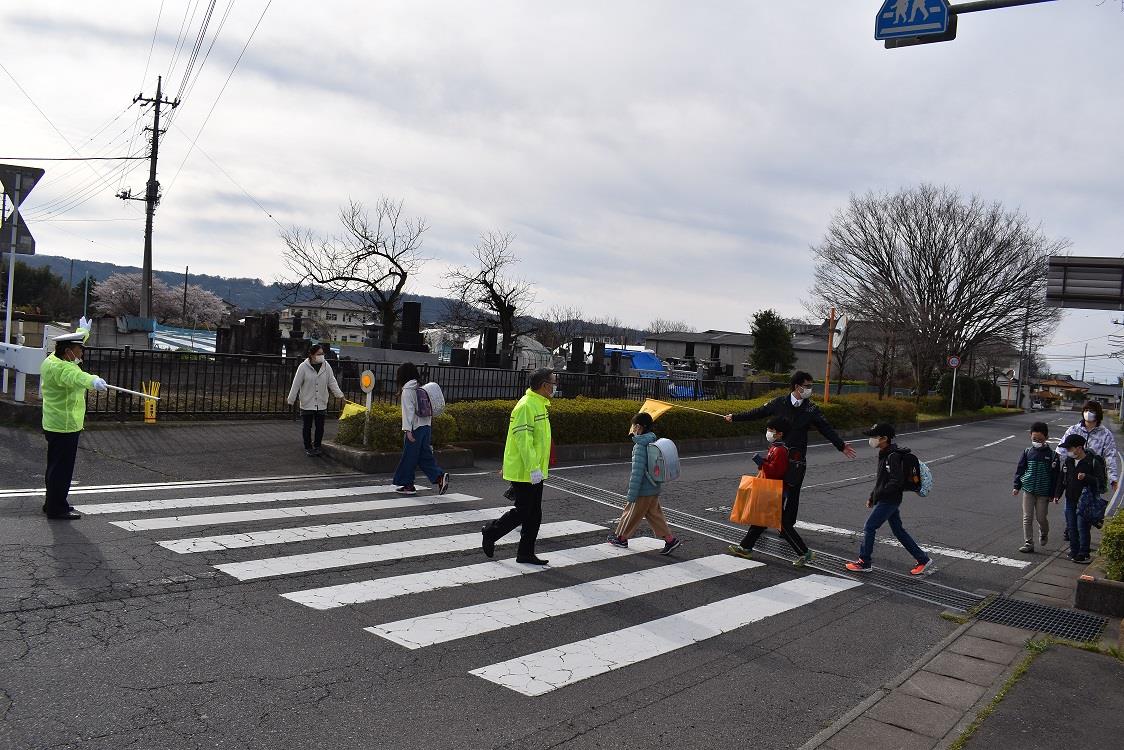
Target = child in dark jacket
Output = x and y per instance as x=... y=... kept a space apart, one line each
x=1036 y=476
x=1082 y=470
x=643 y=492
x=775 y=465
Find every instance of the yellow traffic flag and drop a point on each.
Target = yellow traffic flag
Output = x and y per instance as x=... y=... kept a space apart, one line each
x=655 y=408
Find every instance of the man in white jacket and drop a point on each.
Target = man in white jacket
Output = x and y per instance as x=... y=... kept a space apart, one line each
x=311 y=384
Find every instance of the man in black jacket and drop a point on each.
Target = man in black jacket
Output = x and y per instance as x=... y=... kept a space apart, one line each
x=886 y=500
x=802 y=414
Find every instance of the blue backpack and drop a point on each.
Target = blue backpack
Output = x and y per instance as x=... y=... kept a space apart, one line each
x=918 y=476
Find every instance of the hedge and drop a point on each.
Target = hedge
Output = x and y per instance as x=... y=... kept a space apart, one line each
x=386 y=429
x=1112 y=548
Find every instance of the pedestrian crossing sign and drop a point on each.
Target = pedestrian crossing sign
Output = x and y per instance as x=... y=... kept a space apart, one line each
x=898 y=19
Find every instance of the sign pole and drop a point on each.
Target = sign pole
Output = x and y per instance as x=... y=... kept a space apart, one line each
x=953 y=362
x=827 y=368
x=12 y=269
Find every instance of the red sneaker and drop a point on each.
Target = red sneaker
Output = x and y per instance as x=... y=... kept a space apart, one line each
x=920 y=568
x=858 y=566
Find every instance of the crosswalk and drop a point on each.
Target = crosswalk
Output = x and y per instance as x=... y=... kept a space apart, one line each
x=257 y=520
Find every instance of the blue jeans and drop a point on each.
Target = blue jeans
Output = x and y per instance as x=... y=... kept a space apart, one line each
x=417 y=455
x=1078 y=528
x=882 y=513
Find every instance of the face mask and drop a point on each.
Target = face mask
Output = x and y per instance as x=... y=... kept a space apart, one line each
x=1071 y=454
x=318 y=359
x=770 y=435
x=553 y=391
x=1037 y=444
x=874 y=442
x=1090 y=416
x=805 y=392
x=77 y=360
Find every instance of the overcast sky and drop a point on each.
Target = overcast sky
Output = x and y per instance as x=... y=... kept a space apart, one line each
x=667 y=159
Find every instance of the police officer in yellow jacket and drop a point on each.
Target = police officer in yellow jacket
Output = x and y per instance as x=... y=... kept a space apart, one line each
x=62 y=388
x=526 y=462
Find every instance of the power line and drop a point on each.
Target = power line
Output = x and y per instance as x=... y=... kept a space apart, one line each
x=151 y=45
x=217 y=98
x=68 y=158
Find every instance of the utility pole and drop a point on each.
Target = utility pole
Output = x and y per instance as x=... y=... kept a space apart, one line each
x=183 y=314
x=151 y=196
x=1083 y=357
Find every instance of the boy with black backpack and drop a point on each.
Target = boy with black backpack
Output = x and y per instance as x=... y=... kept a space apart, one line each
x=1035 y=476
x=1081 y=481
x=898 y=470
x=643 y=490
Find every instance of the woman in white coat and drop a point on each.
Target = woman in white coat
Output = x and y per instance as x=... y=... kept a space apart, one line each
x=312 y=382
x=417 y=442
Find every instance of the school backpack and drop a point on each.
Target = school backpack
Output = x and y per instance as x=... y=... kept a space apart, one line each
x=431 y=401
x=663 y=461
x=918 y=476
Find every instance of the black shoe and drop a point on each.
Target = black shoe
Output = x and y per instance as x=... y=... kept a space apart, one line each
x=317 y=452
x=443 y=484
x=1082 y=559
x=70 y=515
x=309 y=452
x=669 y=547
x=487 y=543
x=532 y=560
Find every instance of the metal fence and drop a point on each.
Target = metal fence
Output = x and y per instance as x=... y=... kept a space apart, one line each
x=194 y=385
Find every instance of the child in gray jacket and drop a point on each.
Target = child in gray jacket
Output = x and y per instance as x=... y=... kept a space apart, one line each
x=643 y=492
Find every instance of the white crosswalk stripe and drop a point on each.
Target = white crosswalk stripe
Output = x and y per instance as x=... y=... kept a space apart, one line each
x=330 y=597
x=554 y=668
x=302 y=511
x=440 y=627
x=326 y=531
x=143 y=506
x=277 y=566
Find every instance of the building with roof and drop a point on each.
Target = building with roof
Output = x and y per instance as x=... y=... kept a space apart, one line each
x=732 y=350
x=337 y=320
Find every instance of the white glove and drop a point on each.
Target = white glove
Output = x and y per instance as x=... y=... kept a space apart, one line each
x=85 y=323
x=100 y=385
x=536 y=477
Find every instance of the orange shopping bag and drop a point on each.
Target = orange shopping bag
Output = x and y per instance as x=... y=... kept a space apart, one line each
x=758 y=502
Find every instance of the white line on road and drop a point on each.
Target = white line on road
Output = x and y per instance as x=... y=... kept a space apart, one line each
x=140 y=506
x=996 y=442
x=554 y=668
x=935 y=549
x=329 y=597
x=303 y=511
x=439 y=627
x=95 y=489
x=326 y=531
x=374 y=553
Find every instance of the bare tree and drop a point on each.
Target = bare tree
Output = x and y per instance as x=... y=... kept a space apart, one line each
x=945 y=273
x=561 y=324
x=488 y=294
x=664 y=325
x=369 y=263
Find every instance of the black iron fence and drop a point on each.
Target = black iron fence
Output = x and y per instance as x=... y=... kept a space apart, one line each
x=199 y=386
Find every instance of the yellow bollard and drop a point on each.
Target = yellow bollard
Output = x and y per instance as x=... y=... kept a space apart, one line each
x=152 y=388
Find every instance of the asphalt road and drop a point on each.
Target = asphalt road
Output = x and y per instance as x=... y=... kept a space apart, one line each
x=110 y=639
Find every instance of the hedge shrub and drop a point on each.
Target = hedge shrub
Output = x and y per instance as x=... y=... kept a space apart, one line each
x=584 y=420
x=386 y=429
x=1112 y=548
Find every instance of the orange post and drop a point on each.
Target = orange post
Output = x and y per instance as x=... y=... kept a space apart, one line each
x=830 y=353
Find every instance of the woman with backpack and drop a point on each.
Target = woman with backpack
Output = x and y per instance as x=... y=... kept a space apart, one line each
x=417 y=429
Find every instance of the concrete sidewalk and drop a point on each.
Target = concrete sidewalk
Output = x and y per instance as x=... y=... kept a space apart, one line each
x=1067 y=695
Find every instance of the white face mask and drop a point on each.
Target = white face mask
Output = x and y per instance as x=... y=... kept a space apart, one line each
x=874 y=442
x=1090 y=416
x=553 y=391
x=1037 y=444
x=804 y=392
x=770 y=435
x=77 y=360
x=318 y=359
x=1071 y=454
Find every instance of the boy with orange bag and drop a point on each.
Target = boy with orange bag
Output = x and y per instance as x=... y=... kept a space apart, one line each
x=775 y=466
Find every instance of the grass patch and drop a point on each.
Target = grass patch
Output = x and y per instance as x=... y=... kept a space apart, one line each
x=1035 y=647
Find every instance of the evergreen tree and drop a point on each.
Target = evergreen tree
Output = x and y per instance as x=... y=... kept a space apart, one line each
x=772 y=343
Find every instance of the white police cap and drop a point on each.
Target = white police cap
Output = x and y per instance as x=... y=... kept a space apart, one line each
x=77 y=336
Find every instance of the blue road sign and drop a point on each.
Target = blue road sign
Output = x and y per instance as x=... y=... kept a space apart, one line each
x=911 y=18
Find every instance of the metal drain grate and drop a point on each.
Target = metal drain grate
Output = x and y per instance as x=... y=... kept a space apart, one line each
x=918 y=588
x=1063 y=623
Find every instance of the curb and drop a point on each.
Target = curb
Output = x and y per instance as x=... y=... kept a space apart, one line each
x=372 y=462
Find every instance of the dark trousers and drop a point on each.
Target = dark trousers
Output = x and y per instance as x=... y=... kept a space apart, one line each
x=1079 y=530
x=310 y=416
x=789 y=511
x=888 y=513
x=62 y=449
x=526 y=513
x=417 y=455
